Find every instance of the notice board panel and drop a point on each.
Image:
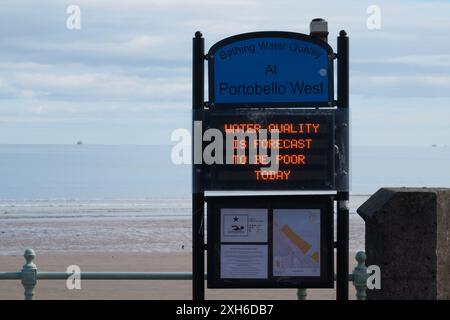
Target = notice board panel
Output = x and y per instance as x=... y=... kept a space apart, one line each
x=270 y=242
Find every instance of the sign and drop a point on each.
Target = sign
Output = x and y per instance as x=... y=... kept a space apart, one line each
x=299 y=157
x=270 y=69
x=270 y=123
x=278 y=241
x=296 y=242
x=248 y=226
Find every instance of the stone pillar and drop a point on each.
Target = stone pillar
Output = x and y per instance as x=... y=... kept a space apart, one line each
x=408 y=237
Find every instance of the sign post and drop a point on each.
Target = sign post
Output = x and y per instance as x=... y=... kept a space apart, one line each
x=343 y=196
x=198 y=196
x=273 y=125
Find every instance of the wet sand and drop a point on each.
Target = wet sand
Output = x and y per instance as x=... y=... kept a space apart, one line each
x=125 y=289
x=115 y=233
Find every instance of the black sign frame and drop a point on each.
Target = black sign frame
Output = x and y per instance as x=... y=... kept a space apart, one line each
x=324 y=203
x=272 y=34
x=199 y=107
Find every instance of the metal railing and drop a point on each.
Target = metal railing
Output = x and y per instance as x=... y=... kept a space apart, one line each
x=29 y=276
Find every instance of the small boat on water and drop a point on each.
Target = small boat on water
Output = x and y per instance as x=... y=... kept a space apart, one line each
x=80 y=142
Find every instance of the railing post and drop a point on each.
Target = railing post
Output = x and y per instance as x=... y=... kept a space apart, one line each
x=29 y=274
x=360 y=276
x=301 y=294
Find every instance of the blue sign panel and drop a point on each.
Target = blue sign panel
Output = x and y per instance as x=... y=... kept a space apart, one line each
x=271 y=69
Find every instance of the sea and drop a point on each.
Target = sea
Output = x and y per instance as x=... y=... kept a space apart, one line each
x=132 y=198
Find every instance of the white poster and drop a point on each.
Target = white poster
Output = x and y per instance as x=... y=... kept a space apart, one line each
x=243 y=225
x=243 y=261
x=296 y=242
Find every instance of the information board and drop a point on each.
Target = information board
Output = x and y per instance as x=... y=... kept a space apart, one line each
x=299 y=157
x=272 y=242
x=270 y=69
x=270 y=123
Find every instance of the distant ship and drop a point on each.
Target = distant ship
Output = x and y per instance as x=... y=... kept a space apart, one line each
x=80 y=142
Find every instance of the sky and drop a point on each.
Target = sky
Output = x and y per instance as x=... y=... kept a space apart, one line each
x=124 y=77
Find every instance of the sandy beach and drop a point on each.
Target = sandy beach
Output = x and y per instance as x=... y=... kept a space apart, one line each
x=118 y=236
x=124 y=289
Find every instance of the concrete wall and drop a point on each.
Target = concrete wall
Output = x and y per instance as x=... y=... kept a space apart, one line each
x=408 y=237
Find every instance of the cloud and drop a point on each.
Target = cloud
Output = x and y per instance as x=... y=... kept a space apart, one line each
x=60 y=82
x=414 y=85
x=131 y=60
x=425 y=61
x=439 y=61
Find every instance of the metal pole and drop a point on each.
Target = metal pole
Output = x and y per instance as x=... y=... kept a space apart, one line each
x=343 y=70
x=343 y=197
x=198 y=198
x=319 y=29
x=302 y=294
